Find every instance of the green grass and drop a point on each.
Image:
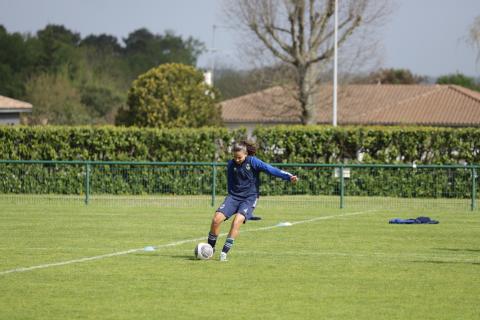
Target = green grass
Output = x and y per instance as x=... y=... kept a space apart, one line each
x=344 y=267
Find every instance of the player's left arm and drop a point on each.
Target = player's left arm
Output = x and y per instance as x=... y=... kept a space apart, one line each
x=265 y=167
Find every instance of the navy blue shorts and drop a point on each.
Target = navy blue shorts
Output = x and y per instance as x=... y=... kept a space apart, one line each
x=232 y=205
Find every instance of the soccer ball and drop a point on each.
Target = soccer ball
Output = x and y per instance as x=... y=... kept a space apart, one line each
x=203 y=251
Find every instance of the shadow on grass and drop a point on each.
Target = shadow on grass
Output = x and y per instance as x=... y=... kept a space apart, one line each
x=446 y=262
x=457 y=249
x=183 y=257
x=157 y=254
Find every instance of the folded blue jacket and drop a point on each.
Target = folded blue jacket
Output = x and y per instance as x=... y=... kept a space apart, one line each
x=419 y=220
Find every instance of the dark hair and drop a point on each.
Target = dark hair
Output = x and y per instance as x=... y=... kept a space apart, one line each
x=238 y=146
x=251 y=148
x=245 y=146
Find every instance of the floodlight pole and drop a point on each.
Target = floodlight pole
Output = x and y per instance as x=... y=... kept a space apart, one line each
x=335 y=65
x=214 y=27
x=213 y=50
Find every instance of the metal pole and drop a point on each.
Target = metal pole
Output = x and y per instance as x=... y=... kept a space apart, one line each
x=214 y=182
x=474 y=189
x=342 y=188
x=335 y=65
x=214 y=27
x=87 y=183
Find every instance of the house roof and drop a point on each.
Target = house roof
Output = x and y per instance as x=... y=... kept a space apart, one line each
x=441 y=105
x=9 y=104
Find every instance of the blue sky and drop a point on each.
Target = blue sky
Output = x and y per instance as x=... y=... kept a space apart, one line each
x=425 y=36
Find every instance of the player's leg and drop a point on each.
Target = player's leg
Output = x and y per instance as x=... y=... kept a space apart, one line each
x=232 y=235
x=236 y=224
x=252 y=217
x=217 y=220
x=244 y=213
x=225 y=211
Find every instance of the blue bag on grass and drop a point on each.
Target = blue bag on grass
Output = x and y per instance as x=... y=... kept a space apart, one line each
x=419 y=220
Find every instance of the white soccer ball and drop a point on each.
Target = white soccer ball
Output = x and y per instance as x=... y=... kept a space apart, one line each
x=203 y=251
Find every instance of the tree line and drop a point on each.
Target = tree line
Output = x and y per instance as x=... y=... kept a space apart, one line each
x=72 y=79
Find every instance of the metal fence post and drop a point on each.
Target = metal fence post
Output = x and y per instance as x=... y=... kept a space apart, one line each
x=342 y=187
x=474 y=189
x=87 y=183
x=214 y=182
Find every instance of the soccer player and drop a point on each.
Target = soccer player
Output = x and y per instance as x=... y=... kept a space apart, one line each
x=243 y=191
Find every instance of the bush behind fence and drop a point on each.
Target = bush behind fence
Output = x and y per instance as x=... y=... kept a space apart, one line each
x=323 y=144
x=206 y=178
x=316 y=144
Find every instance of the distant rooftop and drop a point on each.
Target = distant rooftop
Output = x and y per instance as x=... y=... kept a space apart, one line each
x=14 y=105
x=436 y=105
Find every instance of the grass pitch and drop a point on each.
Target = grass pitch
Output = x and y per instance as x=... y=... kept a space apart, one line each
x=335 y=264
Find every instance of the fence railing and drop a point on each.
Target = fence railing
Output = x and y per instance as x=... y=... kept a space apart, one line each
x=340 y=185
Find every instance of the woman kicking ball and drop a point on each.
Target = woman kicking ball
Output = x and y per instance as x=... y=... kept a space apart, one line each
x=243 y=190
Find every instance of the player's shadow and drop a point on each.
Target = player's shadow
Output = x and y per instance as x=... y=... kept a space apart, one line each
x=183 y=257
x=157 y=254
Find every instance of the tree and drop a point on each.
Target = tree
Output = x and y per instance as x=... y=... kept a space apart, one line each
x=391 y=76
x=145 y=50
x=299 y=33
x=171 y=95
x=17 y=62
x=55 y=100
x=104 y=63
x=96 y=71
x=474 y=35
x=104 y=43
x=102 y=102
x=460 y=80
x=234 y=83
x=58 y=48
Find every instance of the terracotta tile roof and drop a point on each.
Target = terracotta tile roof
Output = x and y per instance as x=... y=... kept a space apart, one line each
x=9 y=103
x=446 y=105
x=271 y=105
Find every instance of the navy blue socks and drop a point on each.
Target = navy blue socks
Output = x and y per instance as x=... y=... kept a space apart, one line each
x=212 y=239
x=228 y=245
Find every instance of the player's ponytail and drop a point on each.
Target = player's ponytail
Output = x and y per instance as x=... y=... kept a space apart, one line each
x=251 y=148
x=245 y=146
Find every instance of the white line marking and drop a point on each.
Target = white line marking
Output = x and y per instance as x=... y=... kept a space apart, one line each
x=171 y=244
x=312 y=220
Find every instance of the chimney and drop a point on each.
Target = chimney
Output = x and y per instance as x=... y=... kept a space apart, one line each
x=208 y=77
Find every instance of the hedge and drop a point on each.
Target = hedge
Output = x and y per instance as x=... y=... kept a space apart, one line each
x=108 y=144
x=115 y=143
x=377 y=145
x=299 y=144
x=325 y=144
x=317 y=144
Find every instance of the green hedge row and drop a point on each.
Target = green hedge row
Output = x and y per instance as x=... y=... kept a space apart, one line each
x=322 y=144
x=115 y=143
x=316 y=144
x=277 y=144
x=385 y=145
x=110 y=144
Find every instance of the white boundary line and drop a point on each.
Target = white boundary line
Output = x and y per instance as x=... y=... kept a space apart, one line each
x=171 y=244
